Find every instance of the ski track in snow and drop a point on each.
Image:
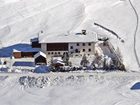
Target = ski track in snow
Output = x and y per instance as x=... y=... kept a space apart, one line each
x=135 y=33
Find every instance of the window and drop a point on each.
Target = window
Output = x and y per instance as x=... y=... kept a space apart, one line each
x=55 y=53
x=77 y=44
x=71 y=47
x=83 y=50
x=48 y=53
x=58 y=52
x=89 y=50
x=89 y=44
x=83 y=44
x=52 y=52
x=76 y=51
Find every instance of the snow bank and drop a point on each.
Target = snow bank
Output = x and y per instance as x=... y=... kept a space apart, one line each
x=95 y=89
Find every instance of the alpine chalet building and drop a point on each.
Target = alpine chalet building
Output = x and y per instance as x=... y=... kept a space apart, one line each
x=76 y=44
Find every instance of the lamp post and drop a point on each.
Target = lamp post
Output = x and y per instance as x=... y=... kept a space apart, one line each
x=136 y=30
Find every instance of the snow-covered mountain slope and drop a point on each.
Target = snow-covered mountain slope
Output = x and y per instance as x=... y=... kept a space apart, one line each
x=97 y=89
x=23 y=19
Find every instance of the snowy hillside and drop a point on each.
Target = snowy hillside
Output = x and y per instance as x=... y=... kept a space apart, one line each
x=23 y=19
x=101 y=89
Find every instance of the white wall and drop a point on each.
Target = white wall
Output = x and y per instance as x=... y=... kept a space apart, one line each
x=81 y=47
x=44 y=47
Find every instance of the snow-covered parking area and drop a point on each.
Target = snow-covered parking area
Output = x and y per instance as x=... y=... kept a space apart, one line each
x=112 y=88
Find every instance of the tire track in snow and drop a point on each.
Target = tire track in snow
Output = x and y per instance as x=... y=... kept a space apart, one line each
x=135 y=33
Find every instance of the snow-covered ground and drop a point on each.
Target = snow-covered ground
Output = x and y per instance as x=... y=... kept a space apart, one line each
x=69 y=89
x=22 y=19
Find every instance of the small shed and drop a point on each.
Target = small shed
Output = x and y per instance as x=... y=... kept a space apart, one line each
x=16 y=53
x=24 y=53
x=40 y=58
x=57 y=62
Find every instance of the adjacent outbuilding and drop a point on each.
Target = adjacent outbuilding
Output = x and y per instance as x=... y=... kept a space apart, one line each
x=25 y=52
x=57 y=62
x=40 y=58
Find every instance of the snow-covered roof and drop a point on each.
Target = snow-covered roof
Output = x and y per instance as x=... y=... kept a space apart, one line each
x=57 y=58
x=58 y=62
x=71 y=38
x=7 y=52
x=40 y=54
x=14 y=50
x=26 y=49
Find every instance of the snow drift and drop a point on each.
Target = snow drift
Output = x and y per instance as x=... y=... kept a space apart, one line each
x=22 y=19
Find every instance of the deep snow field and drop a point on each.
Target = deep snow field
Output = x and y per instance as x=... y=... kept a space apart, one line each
x=21 y=20
x=69 y=89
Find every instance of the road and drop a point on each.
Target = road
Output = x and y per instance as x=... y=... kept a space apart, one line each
x=135 y=33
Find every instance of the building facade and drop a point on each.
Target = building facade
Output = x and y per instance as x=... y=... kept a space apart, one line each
x=55 y=49
x=75 y=44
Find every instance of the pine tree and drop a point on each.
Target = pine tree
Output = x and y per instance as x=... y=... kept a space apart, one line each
x=65 y=58
x=84 y=61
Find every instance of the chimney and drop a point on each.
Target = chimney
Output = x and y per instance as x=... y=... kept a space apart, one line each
x=84 y=32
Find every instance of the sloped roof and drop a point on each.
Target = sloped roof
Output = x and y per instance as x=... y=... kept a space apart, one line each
x=26 y=49
x=55 y=61
x=14 y=50
x=71 y=38
x=57 y=58
x=40 y=54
